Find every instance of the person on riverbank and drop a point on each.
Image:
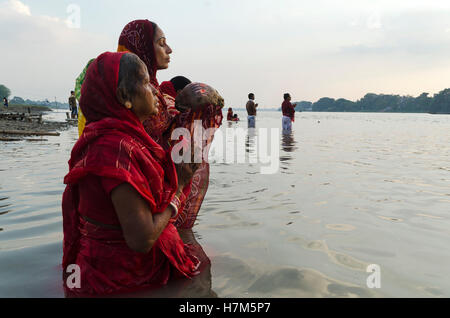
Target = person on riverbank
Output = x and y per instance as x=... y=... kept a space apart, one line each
x=73 y=105
x=251 y=110
x=5 y=102
x=288 y=110
x=123 y=190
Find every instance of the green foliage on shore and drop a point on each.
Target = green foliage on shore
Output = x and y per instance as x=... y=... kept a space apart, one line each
x=438 y=104
x=4 y=92
x=302 y=106
x=441 y=103
x=20 y=101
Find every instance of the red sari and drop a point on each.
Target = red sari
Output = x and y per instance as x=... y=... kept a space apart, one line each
x=114 y=149
x=169 y=93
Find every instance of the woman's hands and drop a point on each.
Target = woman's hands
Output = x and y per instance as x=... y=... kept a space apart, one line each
x=185 y=172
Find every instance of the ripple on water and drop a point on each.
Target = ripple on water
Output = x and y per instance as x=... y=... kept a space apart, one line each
x=388 y=218
x=430 y=216
x=434 y=292
x=340 y=227
x=336 y=257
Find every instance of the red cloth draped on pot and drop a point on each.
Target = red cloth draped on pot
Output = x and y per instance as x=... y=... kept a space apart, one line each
x=115 y=146
x=210 y=116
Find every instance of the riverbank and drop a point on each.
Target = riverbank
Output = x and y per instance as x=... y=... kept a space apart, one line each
x=33 y=109
x=23 y=129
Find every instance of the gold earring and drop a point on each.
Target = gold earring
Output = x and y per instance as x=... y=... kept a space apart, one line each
x=128 y=105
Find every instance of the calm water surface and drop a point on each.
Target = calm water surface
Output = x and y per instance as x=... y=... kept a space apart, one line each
x=351 y=190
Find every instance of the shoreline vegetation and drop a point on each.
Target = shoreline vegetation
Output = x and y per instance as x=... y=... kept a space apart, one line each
x=382 y=103
x=24 y=122
x=376 y=103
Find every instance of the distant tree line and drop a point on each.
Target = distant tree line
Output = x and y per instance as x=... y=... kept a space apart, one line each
x=6 y=92
x=20 y=101
x=438 y=104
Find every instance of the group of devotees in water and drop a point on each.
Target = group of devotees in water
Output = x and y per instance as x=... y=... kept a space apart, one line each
x=127 y=206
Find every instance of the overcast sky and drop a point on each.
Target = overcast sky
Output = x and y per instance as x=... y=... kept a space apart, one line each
x=312 y=49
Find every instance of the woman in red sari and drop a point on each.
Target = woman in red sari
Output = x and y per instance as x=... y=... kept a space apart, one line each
x=147 y=40
x=122 y=193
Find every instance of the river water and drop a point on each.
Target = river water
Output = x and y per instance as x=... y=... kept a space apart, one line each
x=350 y=190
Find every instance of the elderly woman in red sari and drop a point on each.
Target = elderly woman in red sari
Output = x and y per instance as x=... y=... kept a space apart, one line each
x=122 y=194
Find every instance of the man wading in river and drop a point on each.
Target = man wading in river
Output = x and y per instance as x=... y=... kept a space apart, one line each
x=251 y=110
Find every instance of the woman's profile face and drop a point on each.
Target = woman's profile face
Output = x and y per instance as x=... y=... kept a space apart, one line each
x=144 y=103
x=162 y=50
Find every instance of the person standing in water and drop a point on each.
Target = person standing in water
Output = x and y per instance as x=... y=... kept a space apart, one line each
x=230 y=114
x=251 y=110
x=288 y=110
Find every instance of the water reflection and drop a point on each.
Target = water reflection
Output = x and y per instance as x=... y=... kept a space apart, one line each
x=4 y=206
x=288 y=142
x=288 y=147
x=250 y=142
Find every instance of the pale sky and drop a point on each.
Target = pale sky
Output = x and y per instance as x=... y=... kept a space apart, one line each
x=311 y=49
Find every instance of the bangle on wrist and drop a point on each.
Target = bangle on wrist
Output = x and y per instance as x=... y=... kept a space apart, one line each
x=176 y=204
x=174 y=212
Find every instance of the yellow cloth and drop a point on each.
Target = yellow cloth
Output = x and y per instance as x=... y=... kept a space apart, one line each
x=81 y=122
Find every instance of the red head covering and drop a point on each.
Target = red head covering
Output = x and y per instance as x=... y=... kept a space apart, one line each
x=168 y=88
x=115 y=145
x=137 y=37
x=98 y=97
x=106 y=116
